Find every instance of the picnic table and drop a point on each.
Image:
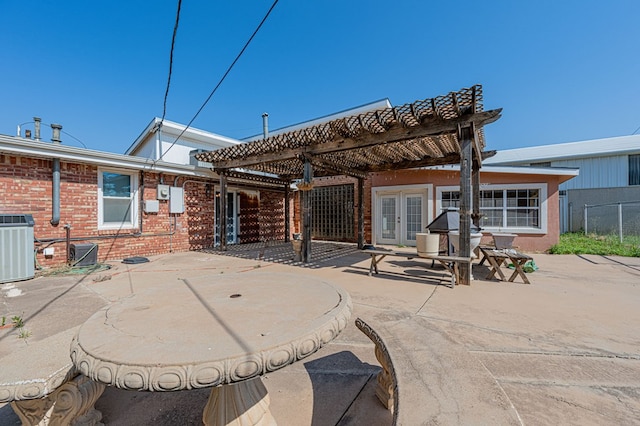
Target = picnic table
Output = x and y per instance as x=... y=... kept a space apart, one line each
x=451 y=263
x=222 y=332
x=498 y=257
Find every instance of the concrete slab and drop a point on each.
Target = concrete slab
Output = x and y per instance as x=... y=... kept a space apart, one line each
x=564 y=349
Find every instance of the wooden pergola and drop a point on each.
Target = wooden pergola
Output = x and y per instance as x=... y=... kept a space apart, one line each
x=439 y=131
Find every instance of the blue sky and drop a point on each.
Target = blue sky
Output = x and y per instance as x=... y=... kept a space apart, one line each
x=562 y=70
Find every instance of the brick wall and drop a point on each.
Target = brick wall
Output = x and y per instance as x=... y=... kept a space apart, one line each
x=26 y=188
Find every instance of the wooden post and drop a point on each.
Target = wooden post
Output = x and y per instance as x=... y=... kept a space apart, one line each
x=465 y=136
x=475 y=187
x=360 y=213
x=223 y=212
x=306 y=213
x=287 y=213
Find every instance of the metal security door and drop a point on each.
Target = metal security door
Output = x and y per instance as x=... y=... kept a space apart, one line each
x=231 y=218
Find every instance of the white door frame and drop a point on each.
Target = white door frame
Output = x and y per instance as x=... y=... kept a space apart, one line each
x=401 y=191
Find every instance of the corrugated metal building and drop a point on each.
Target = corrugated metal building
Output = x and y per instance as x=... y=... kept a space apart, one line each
x=609 y=174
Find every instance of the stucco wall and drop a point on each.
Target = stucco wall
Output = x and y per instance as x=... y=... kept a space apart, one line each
x=529 y=242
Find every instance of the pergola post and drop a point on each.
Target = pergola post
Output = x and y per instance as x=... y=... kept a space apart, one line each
x=475 y=187
x=465 y=137
x=287 y=213
x=223 y=211
x=306 y=211
x=360 y=213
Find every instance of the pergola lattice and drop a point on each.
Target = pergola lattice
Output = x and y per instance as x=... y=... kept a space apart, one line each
x=438 y=131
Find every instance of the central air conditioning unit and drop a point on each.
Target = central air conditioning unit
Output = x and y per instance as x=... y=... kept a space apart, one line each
x=17 y=258
x=83 y=254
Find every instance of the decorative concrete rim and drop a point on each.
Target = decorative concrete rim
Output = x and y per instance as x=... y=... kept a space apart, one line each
x=36 y=388
x=175 y=377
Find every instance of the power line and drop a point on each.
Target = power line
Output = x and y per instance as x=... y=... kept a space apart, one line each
x=173 y=43
x=635 y=131
x=221 y=80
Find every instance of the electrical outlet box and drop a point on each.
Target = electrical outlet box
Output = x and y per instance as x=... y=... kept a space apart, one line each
x=163 y=192
x=151 y=206
x=176 y=200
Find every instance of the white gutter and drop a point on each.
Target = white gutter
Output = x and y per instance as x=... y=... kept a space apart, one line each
x=521 y=170
x=29 y=148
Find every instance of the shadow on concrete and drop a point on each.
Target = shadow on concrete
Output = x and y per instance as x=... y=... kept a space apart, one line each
x=344 y=391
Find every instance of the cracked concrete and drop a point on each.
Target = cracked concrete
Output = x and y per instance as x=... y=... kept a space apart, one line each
x=565 y=349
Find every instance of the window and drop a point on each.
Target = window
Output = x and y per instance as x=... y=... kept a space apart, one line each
x=634 y=169
x=518 y=208
x=117 y=199
x=333 y=213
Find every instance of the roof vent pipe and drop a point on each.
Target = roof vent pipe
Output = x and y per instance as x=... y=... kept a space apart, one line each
x=27 y=134
x=55 y=128
x=36 y=125
x=265 y=125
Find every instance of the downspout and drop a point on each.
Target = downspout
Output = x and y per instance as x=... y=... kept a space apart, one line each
x=55 y=188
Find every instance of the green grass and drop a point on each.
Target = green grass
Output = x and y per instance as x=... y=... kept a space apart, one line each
x=578 y=243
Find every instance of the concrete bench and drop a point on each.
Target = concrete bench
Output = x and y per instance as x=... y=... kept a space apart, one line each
x=451 y=263
x=427 y=378
x=43 y=387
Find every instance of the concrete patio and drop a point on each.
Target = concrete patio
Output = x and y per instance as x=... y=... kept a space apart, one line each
x=563 y=350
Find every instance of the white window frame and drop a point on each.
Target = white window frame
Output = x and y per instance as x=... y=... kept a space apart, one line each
x=133 y=200
x=541 y=187
x=401 y=190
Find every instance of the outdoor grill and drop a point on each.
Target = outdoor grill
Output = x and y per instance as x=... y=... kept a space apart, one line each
x=448 y=220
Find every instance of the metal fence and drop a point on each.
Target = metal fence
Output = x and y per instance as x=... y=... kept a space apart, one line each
x=622 y=219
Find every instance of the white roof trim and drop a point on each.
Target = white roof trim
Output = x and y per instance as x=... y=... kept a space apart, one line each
x=173 y=128
x=521 y=170
x=591 y=148
x=13 y=145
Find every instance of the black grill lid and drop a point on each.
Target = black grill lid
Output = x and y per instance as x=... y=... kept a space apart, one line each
x=446 y=221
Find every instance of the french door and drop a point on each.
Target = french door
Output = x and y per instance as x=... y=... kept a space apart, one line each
x=400 y=215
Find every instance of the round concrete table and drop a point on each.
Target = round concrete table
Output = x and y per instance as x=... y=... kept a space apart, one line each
x=223 y=331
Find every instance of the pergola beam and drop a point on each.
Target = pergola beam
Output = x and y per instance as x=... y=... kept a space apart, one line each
x=429 y=127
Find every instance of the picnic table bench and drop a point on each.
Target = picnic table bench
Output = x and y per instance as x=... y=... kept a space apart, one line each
x=43 y=386
x=497 y=257
x=451 y=263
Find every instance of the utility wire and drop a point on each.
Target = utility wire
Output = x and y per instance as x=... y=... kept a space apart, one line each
x=173 y=43
x=221 y=80
x=635 y=131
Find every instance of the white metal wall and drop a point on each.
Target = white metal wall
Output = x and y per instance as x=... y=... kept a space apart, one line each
x=597 y=172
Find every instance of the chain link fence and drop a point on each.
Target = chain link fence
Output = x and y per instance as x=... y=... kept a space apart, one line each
x=621 y=219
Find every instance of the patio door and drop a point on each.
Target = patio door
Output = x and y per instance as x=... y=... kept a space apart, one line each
x=232 y=216
x=400 y=214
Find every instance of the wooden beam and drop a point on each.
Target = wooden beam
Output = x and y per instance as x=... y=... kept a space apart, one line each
x=360 y=213
x=287 y=213
x=223 y=212
x=429 y=127
x=253 y=177
x=464 y=243
x=332 y=166
x=306 y=213
x=453 y=158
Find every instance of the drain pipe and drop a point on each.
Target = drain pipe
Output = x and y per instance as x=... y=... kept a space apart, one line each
x=55 y=188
